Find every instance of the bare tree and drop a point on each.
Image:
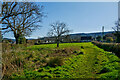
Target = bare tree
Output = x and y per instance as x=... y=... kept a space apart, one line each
x=9 y=9
x=25 y=18
x=57 y=30
x=117 y=30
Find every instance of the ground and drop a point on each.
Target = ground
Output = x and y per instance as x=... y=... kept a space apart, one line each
x=70 y=60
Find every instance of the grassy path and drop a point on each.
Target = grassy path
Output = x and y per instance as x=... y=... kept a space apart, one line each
x=90 y=63
x=86 y=67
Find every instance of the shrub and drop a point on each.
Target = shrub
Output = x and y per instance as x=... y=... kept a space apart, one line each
x=55 y=62
x=112 y=47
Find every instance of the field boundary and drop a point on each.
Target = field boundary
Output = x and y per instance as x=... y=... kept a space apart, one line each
x=111 y=47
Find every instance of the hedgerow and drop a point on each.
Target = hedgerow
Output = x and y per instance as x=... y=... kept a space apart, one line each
x=112 y=47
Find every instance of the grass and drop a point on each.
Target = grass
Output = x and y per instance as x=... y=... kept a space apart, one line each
x=76 y=60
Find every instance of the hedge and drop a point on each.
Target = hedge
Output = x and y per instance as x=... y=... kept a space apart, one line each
x=112 y=47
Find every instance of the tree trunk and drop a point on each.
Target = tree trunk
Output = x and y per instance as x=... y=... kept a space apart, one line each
x=16 y=38
x=57 y=42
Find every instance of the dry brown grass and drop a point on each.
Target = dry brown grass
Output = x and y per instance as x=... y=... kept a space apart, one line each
x=11 y=61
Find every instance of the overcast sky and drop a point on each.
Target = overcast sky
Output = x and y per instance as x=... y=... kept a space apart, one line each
x=79 y=16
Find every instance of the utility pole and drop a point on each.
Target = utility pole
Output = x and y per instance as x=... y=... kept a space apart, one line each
x=102 y=32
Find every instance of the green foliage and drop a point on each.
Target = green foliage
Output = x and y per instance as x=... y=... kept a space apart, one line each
x=111 y=68
x=106 y=68
x=110 y=75
x=112 y=47
x=113 y=58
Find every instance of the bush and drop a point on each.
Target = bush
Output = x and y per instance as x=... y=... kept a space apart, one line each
x=55 y=62
x=112 y=47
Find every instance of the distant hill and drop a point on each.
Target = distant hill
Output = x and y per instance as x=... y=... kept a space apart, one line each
x=92 y=34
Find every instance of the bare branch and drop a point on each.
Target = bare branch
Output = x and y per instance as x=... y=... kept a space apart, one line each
x=57 y=30
x=21 y=18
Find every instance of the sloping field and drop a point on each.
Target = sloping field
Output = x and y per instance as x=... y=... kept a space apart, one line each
x=70 y=60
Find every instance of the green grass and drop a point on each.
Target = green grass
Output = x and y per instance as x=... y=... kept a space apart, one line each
x=92 y=63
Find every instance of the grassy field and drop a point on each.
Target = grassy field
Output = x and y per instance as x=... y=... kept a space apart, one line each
x=70 y=60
